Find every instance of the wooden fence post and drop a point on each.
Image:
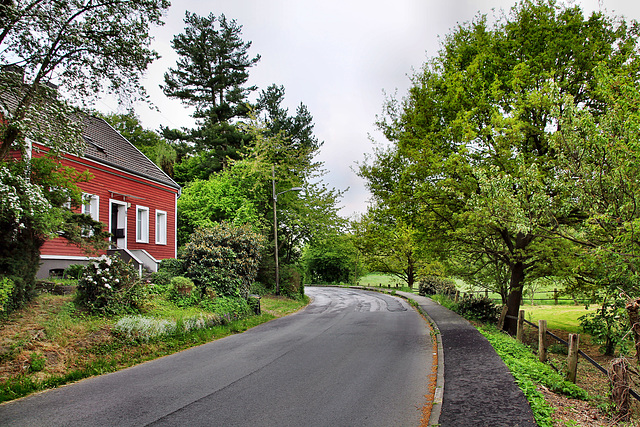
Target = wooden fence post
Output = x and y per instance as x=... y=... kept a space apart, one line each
x=503 y=316
x=572 y=358
x=520 y=331
x=542 y=340
x=457 y=296
x=555 y=296
x=486 y=293
x=619 y=377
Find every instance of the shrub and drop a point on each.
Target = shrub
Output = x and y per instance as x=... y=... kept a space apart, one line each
x=291 y=282
x=6 y=287
x=74 y=271
x=109 y=285
x=160 y=282
x=258 y=288
x=480 y=309
x=172 y=266
x=37 y=362
x=436 y=285
x=223 y=257
x=183 y=292
x=608 y=325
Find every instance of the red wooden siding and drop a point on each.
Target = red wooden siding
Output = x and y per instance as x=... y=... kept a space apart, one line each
x=109 y=183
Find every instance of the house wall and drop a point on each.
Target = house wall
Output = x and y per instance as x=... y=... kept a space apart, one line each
x=109 y=183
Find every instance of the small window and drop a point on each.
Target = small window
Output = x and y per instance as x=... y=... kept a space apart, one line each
x=161 y=227
x=142 y=224
x=91 y=207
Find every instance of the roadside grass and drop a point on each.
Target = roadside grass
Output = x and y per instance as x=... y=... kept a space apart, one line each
x=529 y=372
x=50 y=342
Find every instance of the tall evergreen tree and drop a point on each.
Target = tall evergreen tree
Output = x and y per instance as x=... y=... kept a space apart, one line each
x=210 y=74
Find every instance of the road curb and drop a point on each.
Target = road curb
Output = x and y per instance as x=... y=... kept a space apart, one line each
x=436 y=404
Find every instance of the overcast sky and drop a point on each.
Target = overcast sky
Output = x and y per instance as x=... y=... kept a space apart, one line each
x=337 y=57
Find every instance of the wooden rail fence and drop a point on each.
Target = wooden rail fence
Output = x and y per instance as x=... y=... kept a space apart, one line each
x=572 y=345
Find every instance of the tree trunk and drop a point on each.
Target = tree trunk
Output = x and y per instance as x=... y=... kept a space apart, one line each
x=515 y=298
x=411 y=274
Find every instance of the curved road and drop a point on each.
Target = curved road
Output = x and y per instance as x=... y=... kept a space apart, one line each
x=351 y=358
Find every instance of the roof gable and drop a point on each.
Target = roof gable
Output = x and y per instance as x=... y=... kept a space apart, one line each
x=106 y=145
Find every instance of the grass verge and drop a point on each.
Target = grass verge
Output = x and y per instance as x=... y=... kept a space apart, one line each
x=529 y=372
x=64 y=345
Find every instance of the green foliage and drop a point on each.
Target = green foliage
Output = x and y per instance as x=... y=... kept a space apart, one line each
x=223 y=258
x=210 y=73
x=37 y=362
x=173 y=266
x=474 y=162
x=111 y=286
x=223 y=197
x=229 y=308
x=480 y=309
x=388 y=245
x=291 y=285
x=258 y=288
x=6 y=288
x=183 y=292
x=608 y=326
x=529 y=371
x=212 y=67
x=333 y=259
x=432 y=285
x=74 y=271
x=159 y=282
x=445 y=301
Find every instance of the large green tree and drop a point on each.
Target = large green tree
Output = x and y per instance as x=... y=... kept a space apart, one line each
x=210 y=74
x=473 y=136
x=85 y=47
x=599 y=154
x=388 y=245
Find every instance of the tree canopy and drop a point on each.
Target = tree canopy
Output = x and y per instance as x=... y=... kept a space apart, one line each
x=472 y=162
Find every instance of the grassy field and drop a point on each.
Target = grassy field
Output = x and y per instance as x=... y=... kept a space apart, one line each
x=379 y=280
x=563 y=317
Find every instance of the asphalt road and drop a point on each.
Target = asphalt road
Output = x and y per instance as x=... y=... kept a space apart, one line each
x=351 y=358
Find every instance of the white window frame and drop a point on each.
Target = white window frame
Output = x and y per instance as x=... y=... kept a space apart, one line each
x=161 y=227
x=92 y=201
x=90 y=206
x=142 y=224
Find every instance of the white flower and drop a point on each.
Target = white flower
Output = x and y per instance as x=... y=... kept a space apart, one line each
x=106 y=285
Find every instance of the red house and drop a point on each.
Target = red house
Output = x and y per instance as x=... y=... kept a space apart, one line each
x=129 y=193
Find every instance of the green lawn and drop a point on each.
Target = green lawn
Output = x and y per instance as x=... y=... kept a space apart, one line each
x=385 y=281
x=563 y=317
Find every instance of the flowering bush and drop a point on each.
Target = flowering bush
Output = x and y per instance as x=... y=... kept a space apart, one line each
x=109 y=285
x=224 y=258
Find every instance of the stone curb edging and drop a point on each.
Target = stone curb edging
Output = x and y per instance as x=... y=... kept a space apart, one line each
x=436 y=405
